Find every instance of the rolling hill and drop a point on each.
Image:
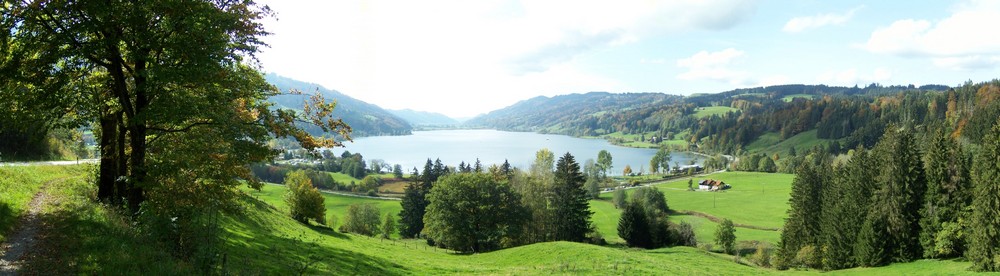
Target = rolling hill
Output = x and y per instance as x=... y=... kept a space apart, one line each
x=364 y=118
x=423 y=118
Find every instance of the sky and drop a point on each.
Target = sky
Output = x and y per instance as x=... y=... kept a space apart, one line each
x=463 y=58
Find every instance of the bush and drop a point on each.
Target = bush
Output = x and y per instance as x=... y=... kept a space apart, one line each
x=361 y=219
x=725 y=236
x=304 y=201
x=762 y=257
x=685 y=235
x=807 y=257
x=332 y=221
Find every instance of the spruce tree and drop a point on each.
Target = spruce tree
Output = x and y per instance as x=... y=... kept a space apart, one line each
x=802 y=227
x=844 y=212
x=984 y=236
x=633 y=227
x=571 y=208
x=946 y=196
x=899 y=198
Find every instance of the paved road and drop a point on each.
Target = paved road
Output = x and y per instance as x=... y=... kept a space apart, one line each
x=51 y=163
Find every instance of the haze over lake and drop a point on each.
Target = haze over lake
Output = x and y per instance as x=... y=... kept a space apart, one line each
x=492 y=147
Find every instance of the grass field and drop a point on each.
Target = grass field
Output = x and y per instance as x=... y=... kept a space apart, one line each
x=793 y=96
x=90 y=239
x=18 y=184
x=636 y=140
x=702 y=112
x=335 y=204
x=771 y=143
x=759 y=199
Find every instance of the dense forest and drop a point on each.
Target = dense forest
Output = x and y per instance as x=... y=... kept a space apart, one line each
x=844 y=117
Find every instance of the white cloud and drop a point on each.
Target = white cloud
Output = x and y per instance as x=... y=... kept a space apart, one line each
x=386 y=51
x=851 y=77
x=714 y=66
x=957 y=41
x=803 y=23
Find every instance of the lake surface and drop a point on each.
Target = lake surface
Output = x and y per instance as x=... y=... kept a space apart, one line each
x=492 y=147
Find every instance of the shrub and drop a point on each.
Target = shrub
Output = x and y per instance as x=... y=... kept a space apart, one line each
x=361 y=219
x=807 y=257
x=304 y=201
x=685 y=235
x=762 y=257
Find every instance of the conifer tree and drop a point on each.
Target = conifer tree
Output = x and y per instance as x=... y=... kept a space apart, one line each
x=571 y=209
x=802 y=227
x=900 y=194
x=984 y=235
x=946 y=196
x=633 y=227
x=844 y=213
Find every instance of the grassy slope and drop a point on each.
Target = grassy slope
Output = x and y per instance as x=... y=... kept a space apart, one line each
x=19 y=184
x=274 y=243
x=712 y=110
x=793 y=96
x=769 y=143
x=263 y=240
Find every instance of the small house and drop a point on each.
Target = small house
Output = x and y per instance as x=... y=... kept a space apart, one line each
x=712 y=185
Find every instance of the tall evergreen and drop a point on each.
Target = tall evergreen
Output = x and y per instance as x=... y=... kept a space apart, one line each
x=848 y=197
x=414 y=203
x=984 y=234
x=899 y=197
x=633 y=226
x=802 y=227
x=947 y=195
x=571 y=209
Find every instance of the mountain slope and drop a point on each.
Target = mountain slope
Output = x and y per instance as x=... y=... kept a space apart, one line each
x=418 y=118
x=557 y=114
x=364 y=118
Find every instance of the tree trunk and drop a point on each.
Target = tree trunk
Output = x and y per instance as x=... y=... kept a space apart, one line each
x=108 y=172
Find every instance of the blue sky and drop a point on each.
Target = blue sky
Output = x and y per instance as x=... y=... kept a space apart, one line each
x=464 y=58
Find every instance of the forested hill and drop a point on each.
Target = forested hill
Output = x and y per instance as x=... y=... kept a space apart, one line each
x=564 y=114
x=365 y=119
x=759 y=120
x=423 y=118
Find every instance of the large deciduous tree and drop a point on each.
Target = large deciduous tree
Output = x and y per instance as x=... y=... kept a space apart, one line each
x=180 y=110
x=472 y=212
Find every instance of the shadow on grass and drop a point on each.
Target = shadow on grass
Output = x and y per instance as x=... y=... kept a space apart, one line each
x=257 y=240
x=7 y=218
x=81 y=239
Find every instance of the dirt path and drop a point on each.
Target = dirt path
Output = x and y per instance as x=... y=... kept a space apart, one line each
x=23 y=237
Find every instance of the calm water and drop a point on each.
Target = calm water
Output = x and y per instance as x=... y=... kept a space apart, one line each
x=492 y=147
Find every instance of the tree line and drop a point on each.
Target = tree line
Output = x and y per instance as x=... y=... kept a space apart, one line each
x=914 y=195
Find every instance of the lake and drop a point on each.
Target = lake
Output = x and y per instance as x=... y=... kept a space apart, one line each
x=492 y=147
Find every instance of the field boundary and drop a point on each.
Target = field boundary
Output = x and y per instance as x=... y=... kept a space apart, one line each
x=717 y=220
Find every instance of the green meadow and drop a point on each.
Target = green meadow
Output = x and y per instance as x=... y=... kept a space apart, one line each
x=89 y=238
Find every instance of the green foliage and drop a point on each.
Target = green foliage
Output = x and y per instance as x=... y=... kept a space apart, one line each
x=947 y=195
x=807 y=257
x=414 y=203
x=843 y=217
x=984 y=234
x=362 y=219
x=604 y=161
x=388 y=226
x=761 y=256
x=802 y=227
x=471 y=212
x=633 y=227
x=304 y=201
x=370 y=183
x=570 y=209
x=725 y=236
x=686 y=235
x=899 y=197
x=660 y=160
x=620 y=198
